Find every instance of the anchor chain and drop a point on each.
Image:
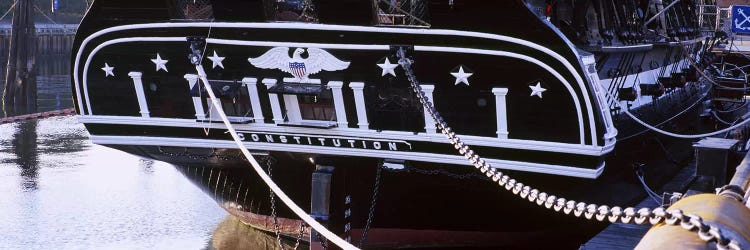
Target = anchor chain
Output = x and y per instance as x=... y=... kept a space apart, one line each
x=302 y=227
x=706 y=232
x=269 y=164
x=323 y=241
x=373 y=202
x=225 y=157
x=440 y=172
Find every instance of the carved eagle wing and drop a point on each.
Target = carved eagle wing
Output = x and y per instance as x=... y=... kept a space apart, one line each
x=276 y=58
x=319 y=60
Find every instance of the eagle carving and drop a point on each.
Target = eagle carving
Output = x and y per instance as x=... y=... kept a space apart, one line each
x=317 y=60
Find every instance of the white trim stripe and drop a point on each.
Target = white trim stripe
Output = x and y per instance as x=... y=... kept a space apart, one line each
x=549 y=69
x=544 y=146
x=412 y=156
x=308 y=26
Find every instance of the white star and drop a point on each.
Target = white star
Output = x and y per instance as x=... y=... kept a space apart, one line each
x=537 y=90
x=461 y=76
x=216 y=60
x=160 y=63
x=108 y=70
x=388 y=68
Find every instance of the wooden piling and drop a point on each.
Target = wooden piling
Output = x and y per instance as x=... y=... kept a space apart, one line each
x=20 y=79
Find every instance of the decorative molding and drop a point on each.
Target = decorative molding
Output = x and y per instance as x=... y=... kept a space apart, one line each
x=381 y=47
x=200 y=113
x=411 y=156
x=543 y=146
x=252 y=89
x=359 y=101
x=501 y=112
x=278 y=117
x=429 y=123
x=338 y=103
x=291 y=105
x=139 y=93
x=328 y=27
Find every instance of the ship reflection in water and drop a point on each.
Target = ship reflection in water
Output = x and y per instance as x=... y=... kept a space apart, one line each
x=59 y=191
x=232 y=234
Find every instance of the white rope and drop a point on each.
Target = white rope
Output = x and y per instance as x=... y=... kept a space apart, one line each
x=668 y=120
x=275 y=188
x=9 y=10
x=45 y=15
x=625 y=109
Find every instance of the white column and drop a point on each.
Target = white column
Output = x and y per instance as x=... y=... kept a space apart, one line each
x=501 y=112
x=200 y=114
x=138 y=83
x=359 y=100
x=252 y=90
x=429 y=123
x=291 y=103
x=214 y=110
x=274 y=99
x=338 y=103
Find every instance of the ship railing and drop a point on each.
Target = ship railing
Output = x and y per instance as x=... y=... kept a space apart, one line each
x=708 y=18
x=407 y=13
x=724 y=20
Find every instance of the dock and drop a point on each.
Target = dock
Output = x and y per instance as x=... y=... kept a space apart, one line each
x=51 y=38
x=621 y=236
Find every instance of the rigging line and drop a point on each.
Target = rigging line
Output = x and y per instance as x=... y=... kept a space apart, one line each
x=742 y=54
x=639 y=70
x=649 y=191
x=9 y=10
x=206 y=129
x=700 y=71
x=665 y=63
x=683 y=136
x=45 y=15
x=732 y=110
x=670 y=119
x=617 y=75
x=727 y=134
x=561 y=204
x=625 y=73
x=713 y=113
x=403 y=12
x=266 y=179
x=735 y=67
x=677 y=60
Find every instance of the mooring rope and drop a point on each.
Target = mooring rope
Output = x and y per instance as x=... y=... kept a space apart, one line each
x=272 y=185
x=682 y=136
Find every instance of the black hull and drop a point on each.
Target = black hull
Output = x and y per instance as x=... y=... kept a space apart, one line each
x=326 y=91
x=430 y=199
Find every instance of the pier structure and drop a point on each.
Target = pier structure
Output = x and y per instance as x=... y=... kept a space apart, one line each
x=19 y=91
x=51 y=39
x=724 y=216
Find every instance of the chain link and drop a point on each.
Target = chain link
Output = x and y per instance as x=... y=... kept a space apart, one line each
x=301 y=234
x=323 y=241
x=691 y=222
x=200 y=156
x=273 y=205
x=269 y=163
x=373 y=202
x=443 y=172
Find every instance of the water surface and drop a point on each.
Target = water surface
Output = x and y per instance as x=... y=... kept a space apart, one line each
x=60 y=191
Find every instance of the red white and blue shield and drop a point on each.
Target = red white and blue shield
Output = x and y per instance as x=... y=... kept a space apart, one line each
x=298 y=69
